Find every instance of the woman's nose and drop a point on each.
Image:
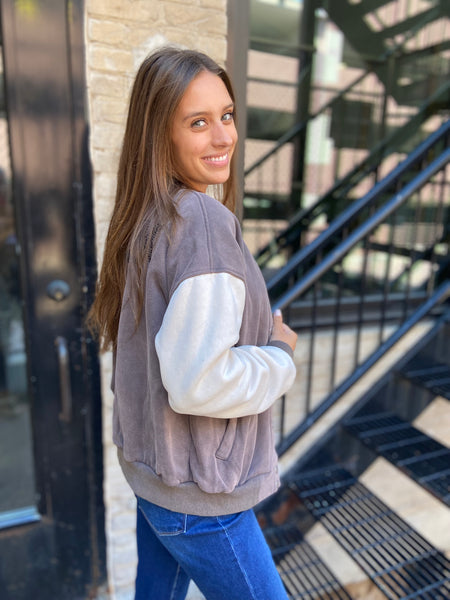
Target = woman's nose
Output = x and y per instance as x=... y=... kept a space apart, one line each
x=224 y=135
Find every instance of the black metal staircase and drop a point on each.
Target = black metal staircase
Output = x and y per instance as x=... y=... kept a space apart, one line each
x=303 y=572
x=353 y=264
x=324 y=485
x=399 y=561
x=423 y=459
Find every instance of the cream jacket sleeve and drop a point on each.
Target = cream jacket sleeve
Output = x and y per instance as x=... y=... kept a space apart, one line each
x=202 y=369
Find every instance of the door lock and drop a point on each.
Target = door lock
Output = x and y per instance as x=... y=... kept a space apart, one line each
x=58 y=290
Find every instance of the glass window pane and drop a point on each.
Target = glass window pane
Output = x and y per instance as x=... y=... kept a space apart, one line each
x=17 y=489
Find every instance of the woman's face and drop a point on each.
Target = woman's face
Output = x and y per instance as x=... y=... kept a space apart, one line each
x=204 y=134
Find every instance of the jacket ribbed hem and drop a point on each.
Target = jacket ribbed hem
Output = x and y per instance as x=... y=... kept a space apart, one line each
x=188 y=498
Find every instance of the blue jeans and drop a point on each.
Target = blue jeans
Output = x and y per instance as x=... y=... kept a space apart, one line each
x=227 y=556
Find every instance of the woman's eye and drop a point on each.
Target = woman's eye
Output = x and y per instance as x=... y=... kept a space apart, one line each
x=229 y=116
x=199 y=123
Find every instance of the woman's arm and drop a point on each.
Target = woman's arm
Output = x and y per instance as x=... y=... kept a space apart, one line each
x=202 y=369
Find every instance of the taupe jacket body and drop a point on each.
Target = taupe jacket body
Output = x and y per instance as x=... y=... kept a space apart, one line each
x=195 y=381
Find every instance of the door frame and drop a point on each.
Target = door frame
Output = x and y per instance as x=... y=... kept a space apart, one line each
x=63 y=553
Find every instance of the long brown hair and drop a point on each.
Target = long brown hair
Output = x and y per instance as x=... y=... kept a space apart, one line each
x=146 y=180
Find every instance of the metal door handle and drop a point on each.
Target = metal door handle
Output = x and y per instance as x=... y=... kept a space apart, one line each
x=65 y=388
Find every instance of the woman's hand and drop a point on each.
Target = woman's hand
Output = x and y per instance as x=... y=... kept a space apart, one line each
x=282 y=332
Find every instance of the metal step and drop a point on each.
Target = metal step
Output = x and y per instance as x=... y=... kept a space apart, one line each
x=423 y=459
x=303 y=573
x=400 y=562
x=429 y=373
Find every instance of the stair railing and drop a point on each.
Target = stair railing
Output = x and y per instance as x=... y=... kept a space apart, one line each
x=359 y=317
x=359 y=210
x=258 y=195
x=341 y=192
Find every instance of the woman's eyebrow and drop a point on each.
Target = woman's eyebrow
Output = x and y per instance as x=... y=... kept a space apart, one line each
x=199 y=113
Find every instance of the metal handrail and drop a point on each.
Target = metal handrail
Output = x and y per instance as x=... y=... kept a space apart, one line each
x=344 y=218
x=312 y=277
x=361 y=170
x=439 y=296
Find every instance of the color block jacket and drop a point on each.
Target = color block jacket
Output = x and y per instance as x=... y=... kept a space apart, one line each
x=194 y=383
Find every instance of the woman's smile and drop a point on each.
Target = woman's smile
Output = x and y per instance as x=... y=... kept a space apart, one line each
x=219 y=160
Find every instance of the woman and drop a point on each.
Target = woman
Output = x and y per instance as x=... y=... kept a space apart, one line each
x=198 y=359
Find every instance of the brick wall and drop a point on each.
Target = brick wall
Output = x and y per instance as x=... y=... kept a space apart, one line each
x=119 y=34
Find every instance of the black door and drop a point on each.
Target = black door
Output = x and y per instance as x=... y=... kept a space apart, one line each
x=52 y=542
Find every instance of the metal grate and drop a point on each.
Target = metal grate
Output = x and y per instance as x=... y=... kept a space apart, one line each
x=423 y=459
x=430 y=374
x=303 y=573
x=400 y=562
